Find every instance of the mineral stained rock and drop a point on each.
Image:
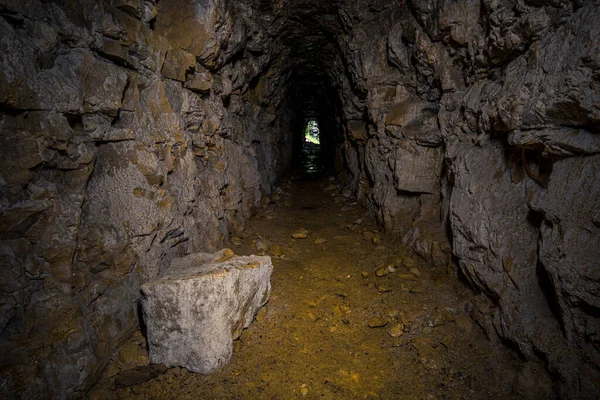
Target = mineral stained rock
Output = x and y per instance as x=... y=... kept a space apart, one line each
x=201 y=304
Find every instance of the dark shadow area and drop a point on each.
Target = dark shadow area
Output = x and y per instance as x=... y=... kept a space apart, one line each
x=548 y=289
x=313 y=98
x=140 y=317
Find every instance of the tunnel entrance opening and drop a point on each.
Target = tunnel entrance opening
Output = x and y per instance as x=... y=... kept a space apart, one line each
x=312 y=163
x=315 y=108
x=311 y=132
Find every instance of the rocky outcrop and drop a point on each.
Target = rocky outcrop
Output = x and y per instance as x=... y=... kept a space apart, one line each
x=200 y=305
x=483 y=120
x=122 y=146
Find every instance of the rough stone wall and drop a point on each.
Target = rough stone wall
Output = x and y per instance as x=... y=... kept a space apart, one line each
x=482 y=118
x=131 y=132
x=135 y=131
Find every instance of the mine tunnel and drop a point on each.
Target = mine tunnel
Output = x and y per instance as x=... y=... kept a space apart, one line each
x=263 y=199
x=314 y=105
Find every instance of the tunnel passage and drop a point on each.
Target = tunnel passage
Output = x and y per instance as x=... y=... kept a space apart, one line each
x=309 y=57
x=315 y=99
x=133 y=132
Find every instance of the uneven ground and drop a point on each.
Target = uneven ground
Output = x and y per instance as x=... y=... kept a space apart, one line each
x=333 y=329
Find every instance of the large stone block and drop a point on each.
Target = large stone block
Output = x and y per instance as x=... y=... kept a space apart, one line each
x=201 y=304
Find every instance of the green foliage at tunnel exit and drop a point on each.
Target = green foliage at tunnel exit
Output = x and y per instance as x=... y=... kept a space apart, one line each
x=311 y=132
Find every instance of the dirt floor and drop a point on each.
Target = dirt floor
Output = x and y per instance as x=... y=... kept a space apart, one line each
x=333 y=328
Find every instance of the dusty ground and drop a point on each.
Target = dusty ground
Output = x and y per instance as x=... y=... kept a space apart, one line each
x=333 y=329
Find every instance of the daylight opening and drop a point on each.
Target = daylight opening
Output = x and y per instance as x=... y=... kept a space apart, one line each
x=311 y=148
x=311 y=132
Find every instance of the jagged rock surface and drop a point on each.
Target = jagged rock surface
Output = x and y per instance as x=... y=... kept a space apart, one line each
x=121 y=148
x=484 y=118
x=202 y=302
x=135 y=132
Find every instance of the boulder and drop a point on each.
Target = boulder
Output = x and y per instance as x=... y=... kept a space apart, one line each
x=200 y=305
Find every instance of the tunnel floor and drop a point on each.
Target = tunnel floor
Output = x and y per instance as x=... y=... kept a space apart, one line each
x=332 y=328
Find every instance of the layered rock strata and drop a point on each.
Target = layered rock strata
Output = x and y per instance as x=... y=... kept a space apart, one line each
x=481 y=143
x=131 y=133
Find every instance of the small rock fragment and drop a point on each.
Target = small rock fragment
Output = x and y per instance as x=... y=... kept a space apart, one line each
x=377 y=322
x=320 y=240
x=261 y=245
x=303 y=390
x=383 y=271
x=396 y=331
x=311 y=303
x=364 y=274
x=276 y=250
x=300 y=234
x=382 y=288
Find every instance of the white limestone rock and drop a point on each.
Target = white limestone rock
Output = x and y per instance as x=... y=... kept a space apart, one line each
x=201 y=304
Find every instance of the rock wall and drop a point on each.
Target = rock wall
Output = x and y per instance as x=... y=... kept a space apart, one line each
x=131 y=132
x=479 y=122
x=136 y=131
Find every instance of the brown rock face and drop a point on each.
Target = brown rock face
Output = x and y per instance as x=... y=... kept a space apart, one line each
x=133 y=132
x=117 y=154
